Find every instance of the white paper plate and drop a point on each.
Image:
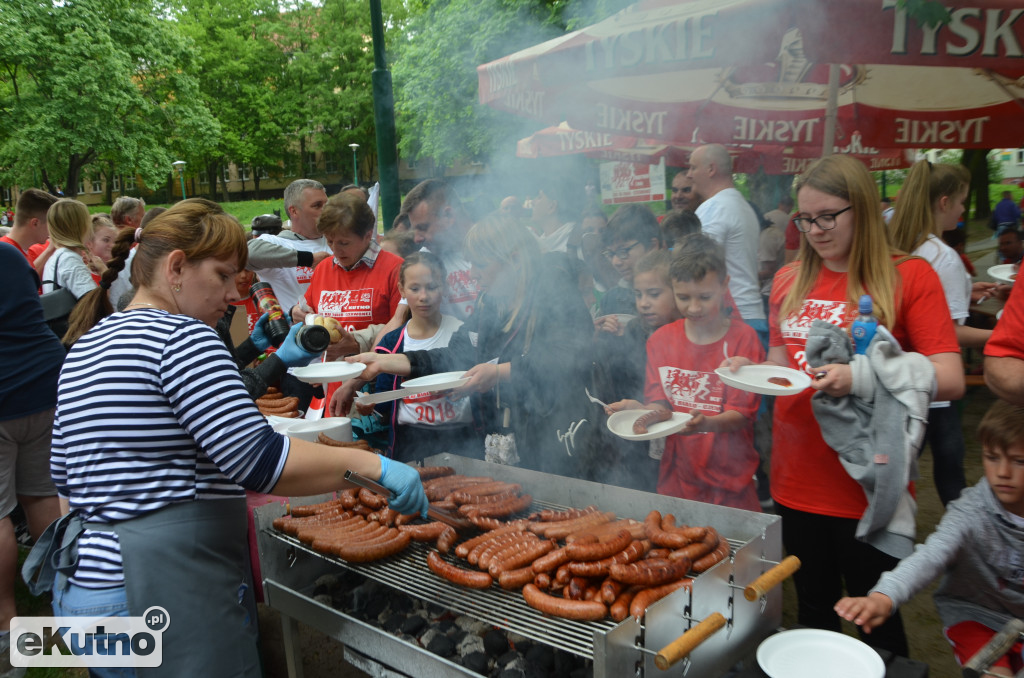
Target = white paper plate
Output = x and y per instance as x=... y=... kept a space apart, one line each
x=282 y=424
x=624 y=318
x=621 y=424
x=1002 y=273
x=441 y=381
x=326 y=373
x=754 y=378
x=813 y=653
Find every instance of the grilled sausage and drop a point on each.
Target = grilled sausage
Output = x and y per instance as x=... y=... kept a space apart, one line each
x=521 y=558
x=580 y=610
x=393 y=543
x=650 y=572
x=562 y=530
x=610 y=590
x=425 y=532
x=447 y=539
x=456 y=574
x=500 y=509
x=518 y=544
x=552 y=516
x=650 y=417
x=469 y=495
x=697 y=550
x=619 y=610
x=601 y=568
x=371 y=500
x=647 y=597
x=463 y=549
x=660 y=537
x=599 y=551
x=278 y=405
x=431 y=472
x=720 y=553
x=512 y=580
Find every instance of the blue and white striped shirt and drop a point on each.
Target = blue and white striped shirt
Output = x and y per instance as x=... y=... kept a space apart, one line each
x=151 y=411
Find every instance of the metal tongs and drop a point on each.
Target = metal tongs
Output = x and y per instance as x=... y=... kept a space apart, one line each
x=443 y=515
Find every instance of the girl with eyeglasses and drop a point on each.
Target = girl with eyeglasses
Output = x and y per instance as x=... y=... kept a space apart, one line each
x=845 y=252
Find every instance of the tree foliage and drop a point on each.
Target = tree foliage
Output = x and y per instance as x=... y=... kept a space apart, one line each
x=89 y=81
x=437 y=113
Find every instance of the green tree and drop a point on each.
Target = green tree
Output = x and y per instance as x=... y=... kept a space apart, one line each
x=437 y=112
x=93 y=81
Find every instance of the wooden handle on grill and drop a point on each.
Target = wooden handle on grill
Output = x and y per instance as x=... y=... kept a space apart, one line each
x=772 y=578
x=688 y=642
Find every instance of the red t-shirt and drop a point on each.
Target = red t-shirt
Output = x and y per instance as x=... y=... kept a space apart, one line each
x=357 y=298
x=1007 y=340
x=35 y=250
x=806 y=473
x=7 y=239
x=716 y=468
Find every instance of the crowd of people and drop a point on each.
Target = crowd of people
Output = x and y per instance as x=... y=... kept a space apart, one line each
x=147 y=425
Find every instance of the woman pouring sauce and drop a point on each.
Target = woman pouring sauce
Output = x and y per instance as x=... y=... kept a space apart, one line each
x=155 y=441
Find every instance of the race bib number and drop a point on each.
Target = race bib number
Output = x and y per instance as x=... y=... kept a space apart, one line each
x=433 y=409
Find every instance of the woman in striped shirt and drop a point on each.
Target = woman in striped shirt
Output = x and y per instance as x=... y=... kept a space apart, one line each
x=155 y=441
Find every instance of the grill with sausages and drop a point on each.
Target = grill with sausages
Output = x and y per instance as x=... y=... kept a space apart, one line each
x=617 y=649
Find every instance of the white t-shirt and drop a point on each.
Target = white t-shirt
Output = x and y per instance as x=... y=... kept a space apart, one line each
x=956 y=283
x=72 y=273
x=290 y=283
x=434 y=409
x=557 y=240
x=731 y=222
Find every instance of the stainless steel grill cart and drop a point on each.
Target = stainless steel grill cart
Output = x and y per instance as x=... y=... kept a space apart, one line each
x=621 y=649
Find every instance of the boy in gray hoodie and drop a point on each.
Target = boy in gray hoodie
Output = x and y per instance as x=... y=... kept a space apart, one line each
x=978 y=547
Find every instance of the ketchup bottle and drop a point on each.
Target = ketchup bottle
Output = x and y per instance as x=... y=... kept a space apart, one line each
x=277 y=325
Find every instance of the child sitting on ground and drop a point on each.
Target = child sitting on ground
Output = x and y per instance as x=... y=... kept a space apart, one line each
x=426 y=423
x=620 y=367
x=978 y=547
x=713 y=458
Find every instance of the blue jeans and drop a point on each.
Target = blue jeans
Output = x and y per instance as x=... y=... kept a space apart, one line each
x=76 y=601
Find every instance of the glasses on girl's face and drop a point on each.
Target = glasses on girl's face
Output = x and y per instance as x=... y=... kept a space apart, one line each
x=621 y=253
x=825 y=222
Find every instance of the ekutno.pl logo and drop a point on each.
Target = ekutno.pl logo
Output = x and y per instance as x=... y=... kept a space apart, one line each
x=90 y=641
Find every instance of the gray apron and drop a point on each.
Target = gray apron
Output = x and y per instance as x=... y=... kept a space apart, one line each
x=192 y=559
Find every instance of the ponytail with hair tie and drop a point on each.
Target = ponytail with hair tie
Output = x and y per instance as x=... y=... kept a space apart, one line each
x=138 y=234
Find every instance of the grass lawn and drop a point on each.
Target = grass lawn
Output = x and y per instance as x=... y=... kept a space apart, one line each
x=244 y=211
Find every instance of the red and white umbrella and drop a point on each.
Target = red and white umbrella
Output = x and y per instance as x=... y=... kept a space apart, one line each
x=561 y=140
x=758 y=72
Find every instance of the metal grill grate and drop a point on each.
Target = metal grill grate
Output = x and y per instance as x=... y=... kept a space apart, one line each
x=408 y=572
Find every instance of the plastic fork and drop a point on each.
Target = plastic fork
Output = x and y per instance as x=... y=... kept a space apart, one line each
x=593 y=399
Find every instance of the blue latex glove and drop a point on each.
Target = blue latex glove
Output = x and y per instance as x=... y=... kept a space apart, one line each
x=404 y=481
x=290 y=353
x=259 y=334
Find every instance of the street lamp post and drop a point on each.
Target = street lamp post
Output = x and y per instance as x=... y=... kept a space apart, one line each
x=355 y=168
x=180 y=166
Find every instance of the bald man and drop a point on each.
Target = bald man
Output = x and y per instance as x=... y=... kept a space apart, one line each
x=726 y=217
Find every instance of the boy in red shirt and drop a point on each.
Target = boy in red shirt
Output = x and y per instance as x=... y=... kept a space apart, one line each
x=713 y=459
